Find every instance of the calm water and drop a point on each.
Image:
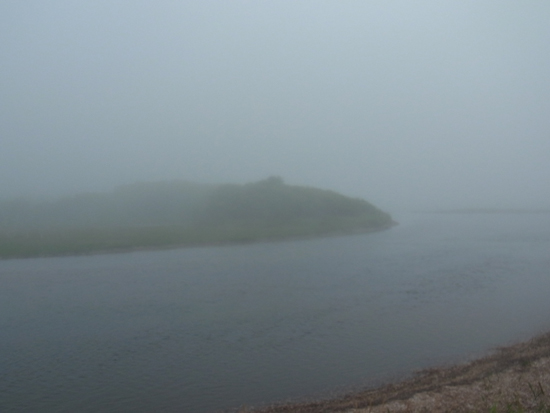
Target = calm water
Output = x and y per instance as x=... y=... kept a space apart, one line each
x=208 y=329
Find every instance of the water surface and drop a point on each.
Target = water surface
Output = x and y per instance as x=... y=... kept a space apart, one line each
x=209 y=329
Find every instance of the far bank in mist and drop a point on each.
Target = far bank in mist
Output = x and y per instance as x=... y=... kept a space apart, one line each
x=181 y=213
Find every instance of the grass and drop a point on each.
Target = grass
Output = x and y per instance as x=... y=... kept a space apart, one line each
x=56 y=241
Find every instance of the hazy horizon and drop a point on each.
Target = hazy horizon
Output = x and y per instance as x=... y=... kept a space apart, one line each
x=410 y=105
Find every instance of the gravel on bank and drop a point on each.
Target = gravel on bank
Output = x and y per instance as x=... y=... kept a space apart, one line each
x=511 y=379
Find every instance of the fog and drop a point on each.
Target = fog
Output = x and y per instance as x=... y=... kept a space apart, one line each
x=411 y=105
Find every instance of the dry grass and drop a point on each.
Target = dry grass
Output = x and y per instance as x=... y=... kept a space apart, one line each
x=513 y=379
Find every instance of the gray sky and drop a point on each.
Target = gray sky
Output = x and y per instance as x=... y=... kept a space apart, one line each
x=409 y=104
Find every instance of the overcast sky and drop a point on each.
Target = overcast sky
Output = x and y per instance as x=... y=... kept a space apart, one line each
x=409 y=104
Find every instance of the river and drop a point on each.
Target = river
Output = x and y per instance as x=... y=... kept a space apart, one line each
x=211 y=329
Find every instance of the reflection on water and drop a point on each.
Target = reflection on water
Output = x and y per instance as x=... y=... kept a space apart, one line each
x=208 y=329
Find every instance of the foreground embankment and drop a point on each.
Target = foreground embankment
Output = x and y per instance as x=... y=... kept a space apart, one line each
x=512 y=379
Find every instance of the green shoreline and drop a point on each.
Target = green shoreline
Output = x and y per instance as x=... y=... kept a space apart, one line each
x=180 y=214
x=88 y=241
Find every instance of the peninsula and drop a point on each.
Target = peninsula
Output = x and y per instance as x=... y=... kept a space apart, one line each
x=180 y=213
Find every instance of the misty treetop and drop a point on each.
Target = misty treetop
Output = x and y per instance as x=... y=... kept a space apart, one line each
x=271 y=200
x=180 y=213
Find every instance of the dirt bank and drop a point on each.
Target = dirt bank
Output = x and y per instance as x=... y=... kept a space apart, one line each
x=512 y=379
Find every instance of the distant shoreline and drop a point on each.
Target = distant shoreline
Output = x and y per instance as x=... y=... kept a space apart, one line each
x=180 y=214
x=487 y=211
x=229 y=240
x=513 y=378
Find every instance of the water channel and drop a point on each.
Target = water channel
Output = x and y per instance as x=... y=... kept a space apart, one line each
x=212 y=329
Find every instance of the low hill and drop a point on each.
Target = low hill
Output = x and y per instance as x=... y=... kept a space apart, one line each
x=180 y=213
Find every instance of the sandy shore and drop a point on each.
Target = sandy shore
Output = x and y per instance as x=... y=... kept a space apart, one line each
x=512 y=379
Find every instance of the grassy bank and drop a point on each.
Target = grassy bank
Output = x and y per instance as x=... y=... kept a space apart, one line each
x=51 y=242
x=514 y=379
x=179 y=213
